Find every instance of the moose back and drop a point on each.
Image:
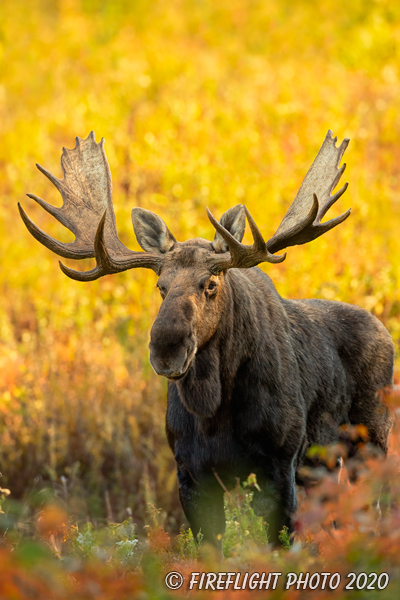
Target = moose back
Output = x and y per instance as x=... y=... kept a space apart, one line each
x=254 y=379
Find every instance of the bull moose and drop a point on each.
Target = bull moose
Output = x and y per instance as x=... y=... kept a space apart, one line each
x=254 y=379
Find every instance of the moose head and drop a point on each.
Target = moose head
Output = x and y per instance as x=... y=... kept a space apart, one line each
x=192 y=274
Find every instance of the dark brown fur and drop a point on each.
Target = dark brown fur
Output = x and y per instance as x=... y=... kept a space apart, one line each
x=269 y=378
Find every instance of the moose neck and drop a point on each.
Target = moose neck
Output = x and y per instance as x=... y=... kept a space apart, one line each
x=208 y=385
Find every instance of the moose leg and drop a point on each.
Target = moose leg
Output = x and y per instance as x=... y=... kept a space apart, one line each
x=276 y=502
x=203 y=507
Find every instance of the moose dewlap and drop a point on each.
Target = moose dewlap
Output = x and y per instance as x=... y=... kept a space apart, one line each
x=254 y=379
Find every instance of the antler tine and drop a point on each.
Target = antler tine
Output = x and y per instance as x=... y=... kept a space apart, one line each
x=88 y=212
x=53 y=210
x=241 y=255
x=232 y=242
x=259 y=241
x=333 y=199
x=54 y=180
x=81 y=275
x=302 y=222
x=60 y=248
x=259 y=247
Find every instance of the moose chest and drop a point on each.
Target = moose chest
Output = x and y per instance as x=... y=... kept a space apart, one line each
x=224 y=444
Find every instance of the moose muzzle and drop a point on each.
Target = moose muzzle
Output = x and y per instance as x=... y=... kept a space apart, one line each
x=172 y=343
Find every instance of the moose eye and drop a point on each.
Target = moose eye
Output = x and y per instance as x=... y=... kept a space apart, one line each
x=211 y=289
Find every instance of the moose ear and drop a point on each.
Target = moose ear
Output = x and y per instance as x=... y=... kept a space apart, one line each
x=234 y=220
x=151 y=232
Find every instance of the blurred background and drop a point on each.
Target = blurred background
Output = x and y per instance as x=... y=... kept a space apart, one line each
x=201 y=104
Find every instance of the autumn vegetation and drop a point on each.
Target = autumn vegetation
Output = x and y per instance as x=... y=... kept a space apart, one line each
x=201 y=104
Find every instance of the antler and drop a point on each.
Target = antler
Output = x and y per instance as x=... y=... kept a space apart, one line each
x=88 y=212
x=302 y=222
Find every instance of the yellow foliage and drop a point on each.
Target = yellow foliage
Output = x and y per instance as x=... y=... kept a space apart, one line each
x=201 y=104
